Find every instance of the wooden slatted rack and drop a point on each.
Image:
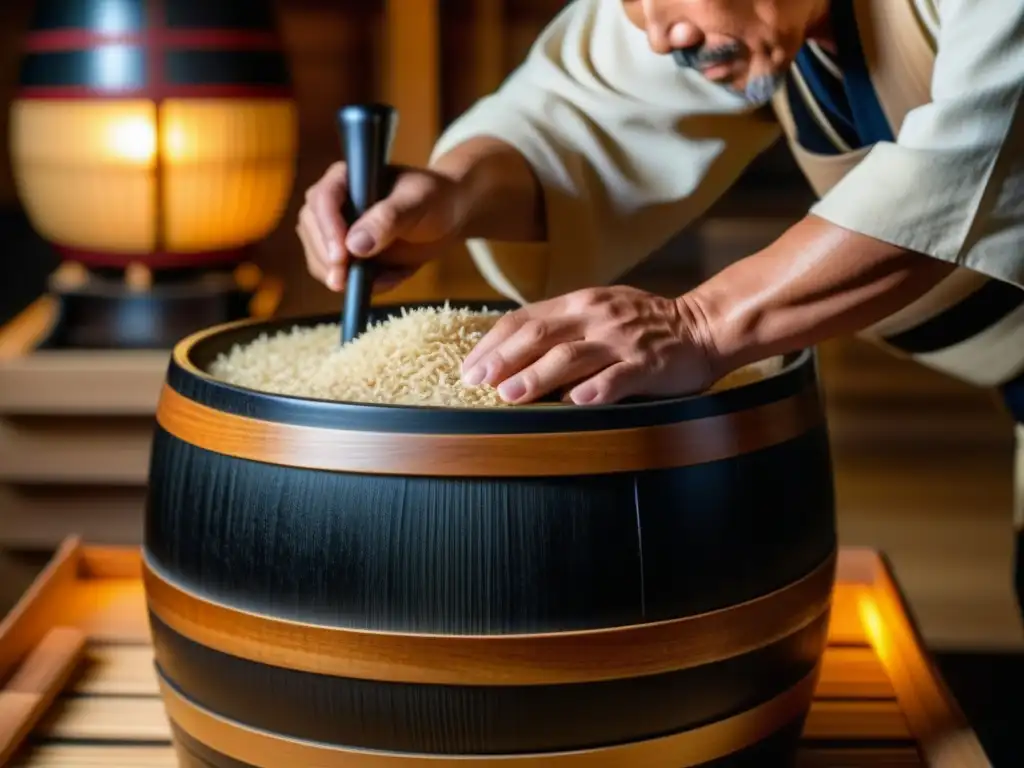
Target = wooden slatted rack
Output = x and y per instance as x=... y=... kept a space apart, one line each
x=80 y=636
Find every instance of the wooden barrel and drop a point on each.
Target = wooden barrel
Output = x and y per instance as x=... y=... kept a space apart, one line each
x=352 y=585
x=162 y=133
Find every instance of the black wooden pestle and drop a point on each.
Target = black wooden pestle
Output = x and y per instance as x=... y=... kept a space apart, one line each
x=367 y=132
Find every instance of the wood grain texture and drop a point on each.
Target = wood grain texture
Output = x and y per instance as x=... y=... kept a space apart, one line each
x=525 y=455
x=428 y=516
x=128 y=670
x=694 y=747
x=86 y=451
x=38 y=517
x=36 y=685
x=97 y=718
x=48 y=603
x=115 y=696
x=514 y=659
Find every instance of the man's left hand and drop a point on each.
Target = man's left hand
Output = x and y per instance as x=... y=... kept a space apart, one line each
x=607 y=344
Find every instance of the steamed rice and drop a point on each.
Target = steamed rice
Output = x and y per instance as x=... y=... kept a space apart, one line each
x=411 y=359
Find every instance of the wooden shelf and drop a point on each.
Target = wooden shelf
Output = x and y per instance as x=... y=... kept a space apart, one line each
x=75 y=432
x=76 y=427
x=877 y=685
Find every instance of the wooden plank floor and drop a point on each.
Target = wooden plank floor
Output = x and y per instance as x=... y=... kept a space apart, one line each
x=112 y=715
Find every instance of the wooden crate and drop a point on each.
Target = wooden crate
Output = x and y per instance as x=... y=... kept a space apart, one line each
x=880 y=702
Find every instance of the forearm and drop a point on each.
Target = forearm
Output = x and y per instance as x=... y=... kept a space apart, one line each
x=816 y=282
x=500 y=197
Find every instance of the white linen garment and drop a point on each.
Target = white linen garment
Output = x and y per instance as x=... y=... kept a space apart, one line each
x=630 y=149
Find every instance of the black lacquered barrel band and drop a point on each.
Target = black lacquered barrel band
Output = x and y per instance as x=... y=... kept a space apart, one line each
x=110 y=15
x=225 y=67
x=221 y=14
x=443 y=719
x=799 y=377
x=414 y=554
x=104 y=69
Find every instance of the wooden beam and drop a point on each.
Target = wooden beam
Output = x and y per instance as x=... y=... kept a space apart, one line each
x=412 y=84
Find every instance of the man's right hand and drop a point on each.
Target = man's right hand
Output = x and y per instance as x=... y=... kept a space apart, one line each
x=405 y=231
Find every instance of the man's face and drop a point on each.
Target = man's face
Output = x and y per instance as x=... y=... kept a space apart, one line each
x=745 y=45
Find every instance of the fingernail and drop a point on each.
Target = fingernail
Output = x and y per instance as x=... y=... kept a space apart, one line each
x=474 y=376
x=512 y=389
x=334 y=280
x=360 y=242
x=583 y=395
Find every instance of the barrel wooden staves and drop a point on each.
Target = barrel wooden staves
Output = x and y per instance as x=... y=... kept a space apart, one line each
x=335 y=584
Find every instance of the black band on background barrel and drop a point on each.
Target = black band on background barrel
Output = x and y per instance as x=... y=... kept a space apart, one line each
x=100 y=70
x=230 y=14
x=226 y=67
x=130 y=15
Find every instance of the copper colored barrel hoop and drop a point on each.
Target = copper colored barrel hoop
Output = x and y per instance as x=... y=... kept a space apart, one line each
x=681 y=750
x=465 y=455
x=538 y=659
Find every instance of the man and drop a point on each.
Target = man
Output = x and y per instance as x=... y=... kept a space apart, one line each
x=630 y=117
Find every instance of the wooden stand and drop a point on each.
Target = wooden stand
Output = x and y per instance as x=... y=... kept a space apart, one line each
x=75 y=428
x=877 y=685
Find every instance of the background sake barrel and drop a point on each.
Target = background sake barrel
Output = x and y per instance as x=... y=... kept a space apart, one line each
x=646 y=584
x=160 y=133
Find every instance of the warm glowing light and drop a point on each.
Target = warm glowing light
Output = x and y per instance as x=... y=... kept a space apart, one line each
x=132 y=138
x=175 y=142
x=88 y=175
x=874 y=626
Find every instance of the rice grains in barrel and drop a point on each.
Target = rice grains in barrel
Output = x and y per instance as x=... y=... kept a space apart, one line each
x=368 y=584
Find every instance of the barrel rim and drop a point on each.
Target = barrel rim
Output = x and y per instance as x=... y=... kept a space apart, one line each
x=187 y=375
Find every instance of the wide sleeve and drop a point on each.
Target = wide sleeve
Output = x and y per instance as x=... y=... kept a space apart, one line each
x=952 y=185
x=628 y=148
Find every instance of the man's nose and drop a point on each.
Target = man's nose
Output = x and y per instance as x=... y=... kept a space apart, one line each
x=665 y=37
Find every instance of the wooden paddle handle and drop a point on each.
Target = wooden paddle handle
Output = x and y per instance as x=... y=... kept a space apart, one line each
x=367 y=133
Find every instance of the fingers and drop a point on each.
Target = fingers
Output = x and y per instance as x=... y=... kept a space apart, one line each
x=474 y=369
x=611 y=385
x=560 y=366
x=325 y=200
x=321 y=228
x=390 y=219
x=313 y=247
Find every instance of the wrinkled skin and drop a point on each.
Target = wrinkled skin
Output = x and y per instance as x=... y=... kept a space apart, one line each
x=744 y=45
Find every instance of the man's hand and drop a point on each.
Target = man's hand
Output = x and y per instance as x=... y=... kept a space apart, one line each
x=607 y=344
x=481 y=188
x=406 y=230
